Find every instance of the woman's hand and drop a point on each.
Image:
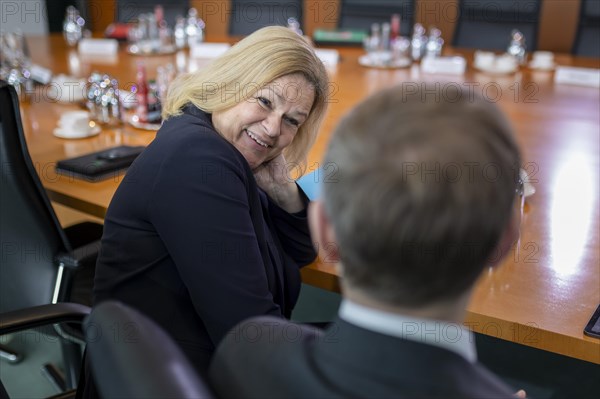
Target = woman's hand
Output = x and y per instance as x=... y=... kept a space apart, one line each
x=274 y=179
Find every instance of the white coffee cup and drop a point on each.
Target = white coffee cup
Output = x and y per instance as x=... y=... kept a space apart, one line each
x=75 y=123
x=505 y=62
x=542 y=59
x=484 y=59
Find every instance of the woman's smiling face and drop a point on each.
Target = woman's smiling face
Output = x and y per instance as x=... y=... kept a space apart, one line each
x=262 y=126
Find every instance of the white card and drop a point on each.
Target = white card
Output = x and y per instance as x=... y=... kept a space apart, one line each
x=98 y=46
x=589 y=77
x=208 y=50
x=328 y=56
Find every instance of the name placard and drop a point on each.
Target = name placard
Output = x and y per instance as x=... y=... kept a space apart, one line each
x=589 y=77
x=328 y=56
x=208 y=50
x=98 y=47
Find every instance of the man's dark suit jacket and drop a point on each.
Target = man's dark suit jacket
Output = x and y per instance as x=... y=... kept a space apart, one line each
x=192 y=242
x=269 y=358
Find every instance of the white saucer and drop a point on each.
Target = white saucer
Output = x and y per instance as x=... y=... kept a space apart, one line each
x=494 y=70
x=59 y=132
x=145 y=49
x=550 y=67
x=367 y=61
x=132 y=120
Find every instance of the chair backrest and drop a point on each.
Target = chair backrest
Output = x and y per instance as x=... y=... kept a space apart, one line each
x=248 y=16
x=127 y=10
x=144 y=362
x=30 y=233
x=587 y=42
x=361 y=14
x=3 y=393
x=487 y=24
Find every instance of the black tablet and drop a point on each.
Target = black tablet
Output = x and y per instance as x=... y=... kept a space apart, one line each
x=99 y=165
x=593 y=327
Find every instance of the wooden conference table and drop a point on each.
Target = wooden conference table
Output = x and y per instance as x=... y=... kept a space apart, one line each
x=544 y=293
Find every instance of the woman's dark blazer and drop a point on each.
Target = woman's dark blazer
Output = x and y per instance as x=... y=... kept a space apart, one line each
x=191 y=241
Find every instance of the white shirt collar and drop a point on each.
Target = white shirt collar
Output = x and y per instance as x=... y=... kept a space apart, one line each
x=451 y=336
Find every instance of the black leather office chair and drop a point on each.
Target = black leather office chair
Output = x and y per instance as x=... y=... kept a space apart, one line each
x=41 y=262
x=128 y=10
x=248 y=16
x=39 y=316
x=144 y=362
x=361 y=14
x=587 y=41
x=487 y=24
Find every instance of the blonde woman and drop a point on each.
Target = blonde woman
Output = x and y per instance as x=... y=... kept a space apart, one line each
x=207 y=228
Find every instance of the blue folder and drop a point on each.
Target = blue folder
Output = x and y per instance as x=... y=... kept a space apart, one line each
x=311 y=184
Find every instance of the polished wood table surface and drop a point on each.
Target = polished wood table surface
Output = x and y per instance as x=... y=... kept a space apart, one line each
x=542 y=295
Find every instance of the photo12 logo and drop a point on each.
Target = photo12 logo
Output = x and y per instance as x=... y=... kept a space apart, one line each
x=23 y=12
x=454 y=91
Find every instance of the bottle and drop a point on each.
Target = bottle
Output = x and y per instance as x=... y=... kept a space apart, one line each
x=374 y=41
x=517 y=47
x=418 y=42
x=395 y=27
x=385 y=36
x=159 y=14
x=154 y=104
x=194 y=28
x=164 y=77
x=141 y=93
x=434 y=45
x=179 y=33
x=73 y=26
x=152 y=26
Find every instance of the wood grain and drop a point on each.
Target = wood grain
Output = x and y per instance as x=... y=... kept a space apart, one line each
x=541 y=296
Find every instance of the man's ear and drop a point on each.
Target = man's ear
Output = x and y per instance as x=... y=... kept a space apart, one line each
x=322 y=233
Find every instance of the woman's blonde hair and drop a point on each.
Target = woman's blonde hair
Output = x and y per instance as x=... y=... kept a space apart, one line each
x=252 y=63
